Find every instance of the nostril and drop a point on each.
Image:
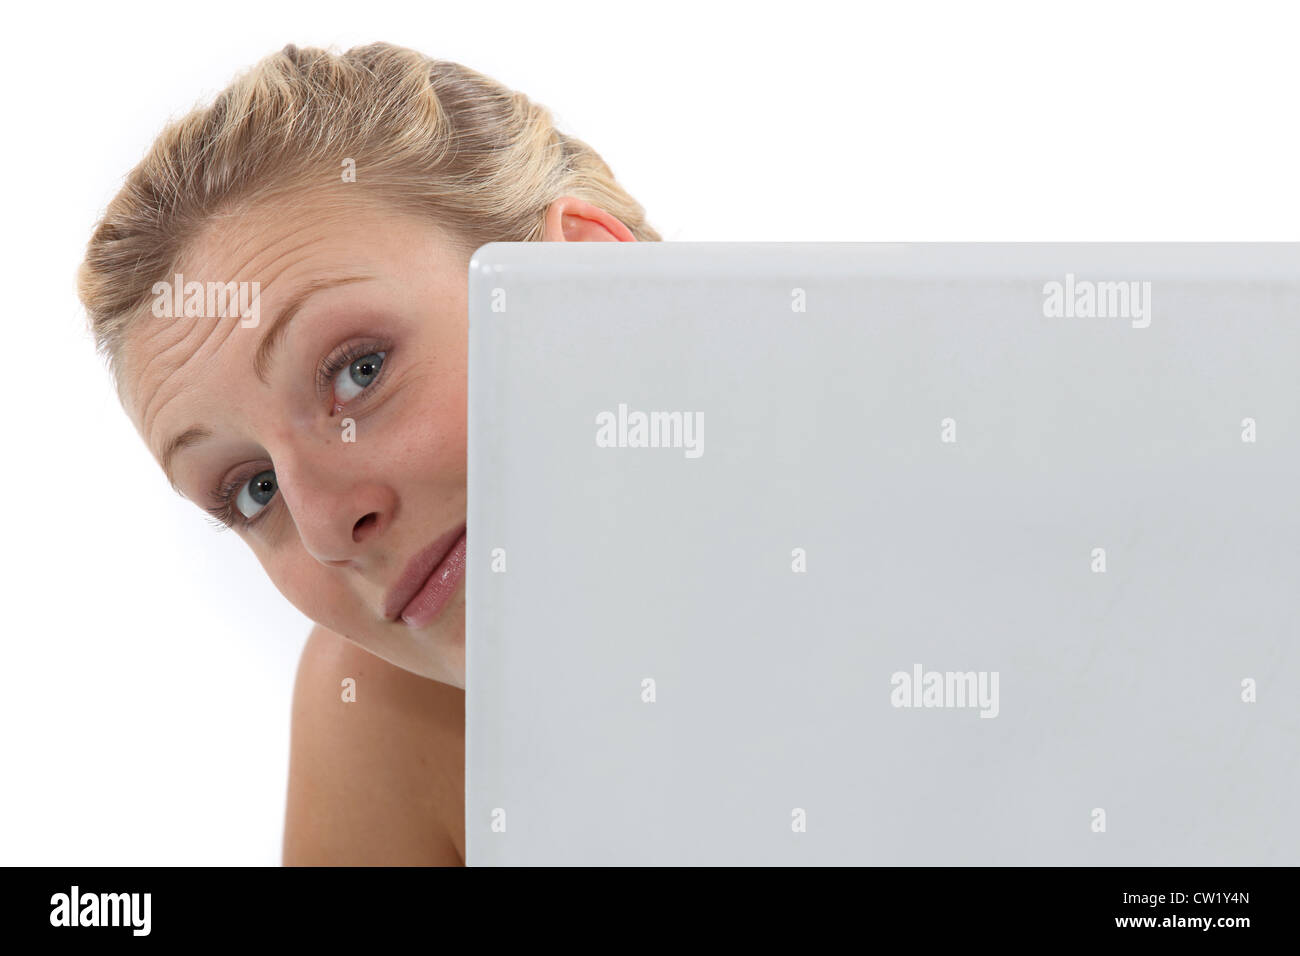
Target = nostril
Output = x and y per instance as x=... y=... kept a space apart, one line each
x=364 y=526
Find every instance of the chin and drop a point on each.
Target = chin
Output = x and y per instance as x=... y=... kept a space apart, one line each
x=443 y=641
x=451 y=645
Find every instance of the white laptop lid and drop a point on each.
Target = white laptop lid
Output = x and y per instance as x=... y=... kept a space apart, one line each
x=956 y=554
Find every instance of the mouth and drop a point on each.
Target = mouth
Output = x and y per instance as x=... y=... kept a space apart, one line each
x=429 y=581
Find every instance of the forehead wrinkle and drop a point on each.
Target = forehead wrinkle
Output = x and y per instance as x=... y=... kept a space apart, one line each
x=279 y=326
x=234 y=231
x=279 y=256
x=146 y=417
x=185 y=336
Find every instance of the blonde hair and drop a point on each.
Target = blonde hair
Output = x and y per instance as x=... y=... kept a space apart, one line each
x=426 y=136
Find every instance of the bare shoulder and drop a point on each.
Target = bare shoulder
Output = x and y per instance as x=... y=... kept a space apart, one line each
x=377 y=780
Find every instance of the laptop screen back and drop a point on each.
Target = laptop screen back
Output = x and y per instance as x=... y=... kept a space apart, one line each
x=883 y=554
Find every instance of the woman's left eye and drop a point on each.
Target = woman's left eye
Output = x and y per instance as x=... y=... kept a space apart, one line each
x=352 y=380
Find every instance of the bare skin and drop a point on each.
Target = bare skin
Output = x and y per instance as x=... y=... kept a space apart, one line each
x=379 y=780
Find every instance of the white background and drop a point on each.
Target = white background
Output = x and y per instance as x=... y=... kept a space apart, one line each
x=147 y=661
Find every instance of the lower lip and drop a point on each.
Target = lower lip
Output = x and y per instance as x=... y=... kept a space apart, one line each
x=438 y=590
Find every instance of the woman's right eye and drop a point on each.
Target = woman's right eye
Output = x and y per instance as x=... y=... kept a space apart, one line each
x=256 y=493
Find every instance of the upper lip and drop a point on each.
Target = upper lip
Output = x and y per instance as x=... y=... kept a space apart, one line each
x=417 y=571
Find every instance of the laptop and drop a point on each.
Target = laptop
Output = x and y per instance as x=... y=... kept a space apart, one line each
x=883 y=554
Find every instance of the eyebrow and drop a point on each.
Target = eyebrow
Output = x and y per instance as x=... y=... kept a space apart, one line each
x=280 y=324
x=191 y=436
x=261 y=363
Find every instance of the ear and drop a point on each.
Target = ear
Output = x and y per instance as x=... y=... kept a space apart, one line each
x=569 y=219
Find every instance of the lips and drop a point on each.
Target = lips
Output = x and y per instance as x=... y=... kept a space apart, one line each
x=428 y=581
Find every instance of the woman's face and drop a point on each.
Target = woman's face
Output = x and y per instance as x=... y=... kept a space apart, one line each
x=331 y=434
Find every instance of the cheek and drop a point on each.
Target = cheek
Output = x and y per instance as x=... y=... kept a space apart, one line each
x=433 y=429
x=308 y=585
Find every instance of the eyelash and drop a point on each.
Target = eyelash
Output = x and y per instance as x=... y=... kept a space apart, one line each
x=223 y=511
x=345 y=355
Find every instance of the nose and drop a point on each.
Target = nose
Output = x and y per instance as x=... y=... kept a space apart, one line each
x=340 y=511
